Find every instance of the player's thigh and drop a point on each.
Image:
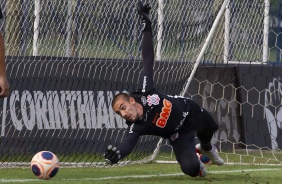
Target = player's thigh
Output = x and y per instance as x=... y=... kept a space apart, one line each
x=185 y=152
x=205 y=122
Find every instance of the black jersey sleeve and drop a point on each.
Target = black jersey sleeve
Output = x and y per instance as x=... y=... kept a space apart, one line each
x=1 y=15
x=146 y=81
x=128 y=143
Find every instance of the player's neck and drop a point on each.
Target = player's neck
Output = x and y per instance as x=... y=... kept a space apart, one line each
x=139 y=110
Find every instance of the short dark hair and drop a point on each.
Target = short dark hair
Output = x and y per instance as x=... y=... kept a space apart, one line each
x=125 y=96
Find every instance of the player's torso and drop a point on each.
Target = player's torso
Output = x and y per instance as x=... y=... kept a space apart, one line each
x=163 y=115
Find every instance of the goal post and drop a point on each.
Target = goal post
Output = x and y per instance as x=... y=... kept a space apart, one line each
x=71 y=57
x=206 y=43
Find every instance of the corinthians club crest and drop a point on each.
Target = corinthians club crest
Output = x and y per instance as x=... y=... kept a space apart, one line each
x=153 y=99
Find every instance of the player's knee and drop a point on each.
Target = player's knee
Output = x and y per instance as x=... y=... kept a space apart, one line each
x=192 y=170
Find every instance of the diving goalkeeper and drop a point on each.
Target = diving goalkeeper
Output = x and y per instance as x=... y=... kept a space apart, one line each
x=148 y=112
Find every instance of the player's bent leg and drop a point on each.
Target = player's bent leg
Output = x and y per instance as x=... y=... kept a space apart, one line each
x=185 y=152
x=212 y=154
x=194 y=169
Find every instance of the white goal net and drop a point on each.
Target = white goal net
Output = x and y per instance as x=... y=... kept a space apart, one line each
x=67 y=59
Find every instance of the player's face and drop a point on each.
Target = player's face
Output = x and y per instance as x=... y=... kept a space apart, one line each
x=127 y=109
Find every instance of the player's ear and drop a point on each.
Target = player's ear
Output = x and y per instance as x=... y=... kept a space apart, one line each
x=132 y=100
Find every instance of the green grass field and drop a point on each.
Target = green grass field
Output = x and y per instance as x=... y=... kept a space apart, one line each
x=150 y=174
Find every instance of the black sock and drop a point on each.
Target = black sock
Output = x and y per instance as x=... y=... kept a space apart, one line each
x=206 y=146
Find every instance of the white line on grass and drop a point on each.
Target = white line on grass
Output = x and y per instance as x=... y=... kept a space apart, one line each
x=137 y=176
x=173 y=174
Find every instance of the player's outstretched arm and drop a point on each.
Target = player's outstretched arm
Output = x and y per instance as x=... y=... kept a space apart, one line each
x=115 y=153
x=146 y=82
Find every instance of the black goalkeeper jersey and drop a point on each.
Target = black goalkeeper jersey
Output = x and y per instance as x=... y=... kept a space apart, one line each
x=163 y=116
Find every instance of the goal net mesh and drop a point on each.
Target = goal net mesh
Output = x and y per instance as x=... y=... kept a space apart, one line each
x=67 y=59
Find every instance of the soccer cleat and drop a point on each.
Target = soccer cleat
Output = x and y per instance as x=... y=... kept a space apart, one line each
x=203 y=170
x=212 y=154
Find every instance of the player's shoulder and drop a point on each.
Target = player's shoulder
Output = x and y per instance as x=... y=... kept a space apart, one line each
x=139 y=93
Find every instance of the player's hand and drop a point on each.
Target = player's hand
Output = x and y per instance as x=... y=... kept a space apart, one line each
x=112 y=155
x=143 y=11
